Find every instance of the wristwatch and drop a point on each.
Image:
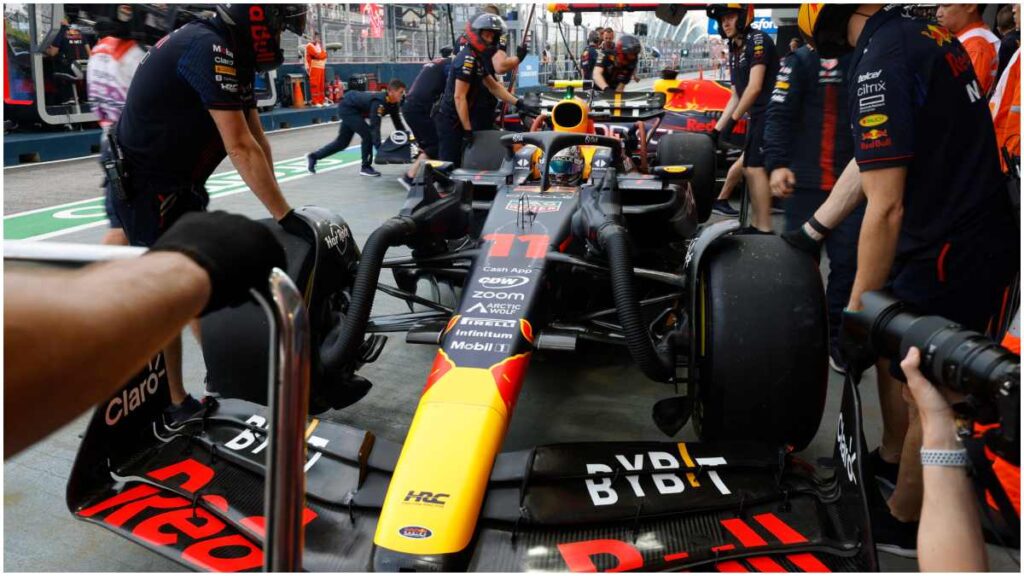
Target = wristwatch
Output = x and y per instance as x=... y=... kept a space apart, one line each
x=949 y=458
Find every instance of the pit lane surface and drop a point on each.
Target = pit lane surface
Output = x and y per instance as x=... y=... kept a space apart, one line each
x=40 y=534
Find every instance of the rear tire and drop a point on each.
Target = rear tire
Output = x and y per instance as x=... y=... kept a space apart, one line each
x=697 y=149
x=761 y=343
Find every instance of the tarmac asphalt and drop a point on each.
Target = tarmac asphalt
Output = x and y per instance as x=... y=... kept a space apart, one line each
x=40 y=534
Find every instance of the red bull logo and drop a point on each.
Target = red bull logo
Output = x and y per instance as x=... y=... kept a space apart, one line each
x=940 y=35
x=874 y=134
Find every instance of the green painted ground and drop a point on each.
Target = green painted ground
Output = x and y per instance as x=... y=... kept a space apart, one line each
x=65 y=218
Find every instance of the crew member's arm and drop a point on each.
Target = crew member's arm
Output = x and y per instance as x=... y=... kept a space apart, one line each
x=396 y=117
x=746 y=102
x=252 y=117
x=879 y=231
x=780 y=125
x=949 y=537
x=503 y=63
x=377 y=112
x=845 y=196
x=498 y=90
x=249 y=159
x=462 y=104
x=51 y=376
x=726 y=116
x=604 y=63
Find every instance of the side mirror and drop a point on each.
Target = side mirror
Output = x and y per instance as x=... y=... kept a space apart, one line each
x=673 y=172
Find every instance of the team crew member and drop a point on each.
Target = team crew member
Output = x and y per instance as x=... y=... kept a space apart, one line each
x=112 y=65
x=1006 y=23
x=471 y=71
x=807 y=144
x=190 y=104
x=315 y=62
x=754 y=63
x=419 y=108
x=608 y=35
x=617 y=67
x=938 y=230
x=486 y=105
x=590 y=55
x=981 y=44
x=353 y=108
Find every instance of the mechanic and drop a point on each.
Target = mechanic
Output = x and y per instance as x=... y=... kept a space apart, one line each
x=421 y=105
x=67 y=51
x=981 y=44
x=753 y=63
x=202 y=263
x=608 y=35
x=938 y=229
x=733 y=178
x=112 y=64
x=1005 y=108
x=355 y=106
x=315 y=63
x=1009 y=31
x=470 y=70
x=190 y=104
x=590 y=55
x=483 y=109
x=795 y=43
x=617 y=67
x=807 y=143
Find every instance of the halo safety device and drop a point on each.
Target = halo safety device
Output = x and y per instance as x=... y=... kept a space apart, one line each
x=256 y=29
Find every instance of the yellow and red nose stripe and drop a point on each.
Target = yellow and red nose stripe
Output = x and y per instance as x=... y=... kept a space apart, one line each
x=438 y=486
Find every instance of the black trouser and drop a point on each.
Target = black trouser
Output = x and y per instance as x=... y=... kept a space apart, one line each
x=841 y=247
x=351 y=124
x=422 y=126
x=449 y=135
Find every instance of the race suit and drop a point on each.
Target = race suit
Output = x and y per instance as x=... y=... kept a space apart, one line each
x=807 y=130
x=169 y=139
x=354 y=107
x=112 y=65
x=316 y=64
x=957 y=249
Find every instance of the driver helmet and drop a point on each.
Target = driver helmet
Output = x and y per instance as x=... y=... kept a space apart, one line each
x=627 y=48
x=481 y=23
x=717 y=11
x=824 y=27
x=256 y=30
x=566 y=167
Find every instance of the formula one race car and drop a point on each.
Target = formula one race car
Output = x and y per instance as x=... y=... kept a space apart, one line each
x=564 y=243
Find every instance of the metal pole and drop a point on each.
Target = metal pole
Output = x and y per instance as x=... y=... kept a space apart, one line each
x=285 y=490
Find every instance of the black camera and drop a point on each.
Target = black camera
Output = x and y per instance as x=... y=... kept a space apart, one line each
x=952 y=357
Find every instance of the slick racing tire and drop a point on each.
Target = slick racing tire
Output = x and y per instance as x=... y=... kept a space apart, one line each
x=761 y=334
x=698 y=150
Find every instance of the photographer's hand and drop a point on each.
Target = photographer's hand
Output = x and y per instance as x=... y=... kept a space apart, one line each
x=937 y=422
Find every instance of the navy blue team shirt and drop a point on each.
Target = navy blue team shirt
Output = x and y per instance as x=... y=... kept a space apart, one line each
x=758 y=49
x=915 y=102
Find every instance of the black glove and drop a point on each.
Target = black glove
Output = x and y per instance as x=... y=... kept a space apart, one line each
x=296 y=227
x=855 y=345
x=523 y=108
x=722 y=136
x=521 y=51
x=801 y=241
x=236 y=252
x=609 y=91
x=467 y=139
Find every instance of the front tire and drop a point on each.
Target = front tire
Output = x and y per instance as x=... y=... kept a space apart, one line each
x=761 y=343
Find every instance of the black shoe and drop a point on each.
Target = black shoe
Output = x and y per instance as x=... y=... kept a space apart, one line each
x=891 y=535
x=723 y=208
x=368 y=171
x=777 y=206
x=884 y=473
x=835 y=360
x=176 y=414
x=406 y=182
x=311 y=163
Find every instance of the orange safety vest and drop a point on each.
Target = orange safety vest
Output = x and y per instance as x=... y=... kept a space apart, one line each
x=983 y=48
x=1005 y=107
x=316 y=62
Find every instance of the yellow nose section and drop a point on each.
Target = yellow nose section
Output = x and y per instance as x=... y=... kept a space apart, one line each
x=438 y=486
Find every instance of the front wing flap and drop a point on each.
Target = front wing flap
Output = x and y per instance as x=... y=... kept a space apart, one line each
x=196 y=497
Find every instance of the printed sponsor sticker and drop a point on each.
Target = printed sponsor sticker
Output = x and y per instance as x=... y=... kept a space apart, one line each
x=415 y=532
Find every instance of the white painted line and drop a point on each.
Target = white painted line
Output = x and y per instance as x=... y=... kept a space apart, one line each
x=59 y=233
